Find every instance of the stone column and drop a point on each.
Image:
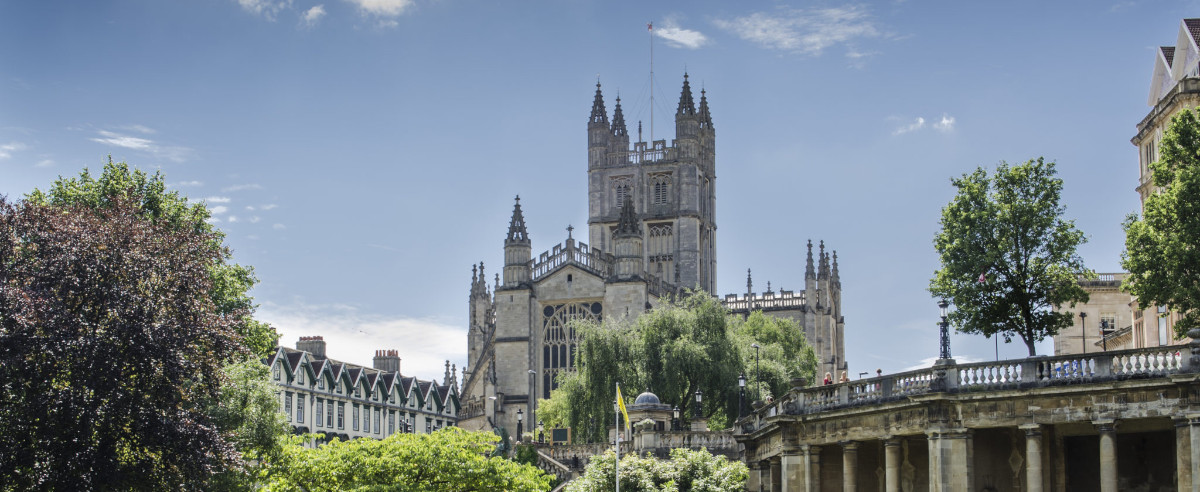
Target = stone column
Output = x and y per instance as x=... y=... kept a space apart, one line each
x=849 y=466
x=891 y=468
x=812 y=468
x=950 y=460
x=752 y=480
x=1033 y=457
x=793 y=464
x=1187 y=452
x=776 y=479
x=1108 y=455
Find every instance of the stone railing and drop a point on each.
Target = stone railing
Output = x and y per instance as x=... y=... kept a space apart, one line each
x=947 y=376
x=713 y=441
x=554 y=467
x=660 y=288
x=642 y=154
x=571 y=252
x=769 y=301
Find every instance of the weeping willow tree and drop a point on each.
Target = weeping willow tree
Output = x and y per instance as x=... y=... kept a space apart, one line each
x=673 y=351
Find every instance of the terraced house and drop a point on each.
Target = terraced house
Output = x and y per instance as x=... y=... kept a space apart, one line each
x=349 y=401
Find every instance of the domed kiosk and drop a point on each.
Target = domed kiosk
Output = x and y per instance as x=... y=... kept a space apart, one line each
x=647 y=406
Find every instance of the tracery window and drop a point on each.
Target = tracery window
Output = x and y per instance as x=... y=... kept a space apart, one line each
x=661 y=185
x=660 y=250
x=622 y=187
x=558 y=338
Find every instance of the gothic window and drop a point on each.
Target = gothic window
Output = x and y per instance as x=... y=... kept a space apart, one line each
x=558 y=338
x=660 y=249
x=622 y=192
x=622 y=187
x=661 y=185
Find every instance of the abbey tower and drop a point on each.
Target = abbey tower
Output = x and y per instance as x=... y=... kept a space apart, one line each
x=651 y=234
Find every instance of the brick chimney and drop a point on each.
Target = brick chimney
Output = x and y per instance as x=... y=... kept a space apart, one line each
x=387 y=360
x=313 y=345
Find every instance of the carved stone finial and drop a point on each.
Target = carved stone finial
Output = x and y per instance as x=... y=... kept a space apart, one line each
x=569 y=229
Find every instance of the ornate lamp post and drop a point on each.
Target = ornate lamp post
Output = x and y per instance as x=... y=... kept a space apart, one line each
x=1083 y=329
x=1104 y=330
x=675 y=418
x=741 y=395
x=698 y=400
x=541 y=432
x=520 y=418
x=945 y=326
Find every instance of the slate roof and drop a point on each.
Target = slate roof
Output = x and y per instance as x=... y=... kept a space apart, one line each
x=1168 y=53
x=1193 y=27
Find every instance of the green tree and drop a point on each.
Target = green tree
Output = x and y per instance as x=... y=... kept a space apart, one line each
x=685 y=471
x=248 y=411
x=449 y=459
x=674 y=350
x=1008 y=230
x=784 y=354
x=110 y=347
x=1162 y=249
x=149 y=196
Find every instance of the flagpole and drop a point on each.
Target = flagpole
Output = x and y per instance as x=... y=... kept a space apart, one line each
x=650 y=29
x=617 y=437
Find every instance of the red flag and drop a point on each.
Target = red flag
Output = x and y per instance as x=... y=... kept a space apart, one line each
x=649 y=26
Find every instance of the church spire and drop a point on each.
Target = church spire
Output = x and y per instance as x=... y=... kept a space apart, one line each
x=618 y=122
x=516 y=228
x=705 y=117
x=823 y=266
x=687 y=107
x=628 y=224
x=599 y=114
x=808 y=265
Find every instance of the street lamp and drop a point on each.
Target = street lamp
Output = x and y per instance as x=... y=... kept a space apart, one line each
x=757 y=374
x=541 y=432
x=1104 y=333
x=1083 y=329
x=520 y=418
x=698 y=399
x=945 y=326
x=741 y=395
x=675 y=420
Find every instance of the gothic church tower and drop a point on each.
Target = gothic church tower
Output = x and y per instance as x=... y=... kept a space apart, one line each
x=672 y=189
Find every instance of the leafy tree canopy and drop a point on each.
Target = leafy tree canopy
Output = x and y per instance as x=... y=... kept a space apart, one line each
x=1162 y=249
x=149 y=198
x=449 y=459
x=685 y=471
x=1008 y=230
x=674 y=350
x=110 y=346
x=248 y=411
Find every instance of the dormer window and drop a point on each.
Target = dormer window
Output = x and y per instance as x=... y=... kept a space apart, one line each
x=320 y=383
x=300 y=377
x=277 y=370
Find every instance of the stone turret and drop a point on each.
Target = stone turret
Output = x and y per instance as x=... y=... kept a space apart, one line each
x=517 y=250
x=619 y=141
x=598 y=132
x=687 y=123
x=627 y=243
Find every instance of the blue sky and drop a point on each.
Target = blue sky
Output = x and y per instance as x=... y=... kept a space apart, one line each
x=363 y=154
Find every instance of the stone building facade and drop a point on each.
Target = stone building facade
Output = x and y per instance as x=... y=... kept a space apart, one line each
x=651 y=234
x=349 y=401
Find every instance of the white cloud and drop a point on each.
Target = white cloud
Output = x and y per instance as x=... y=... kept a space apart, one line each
x=233 y=218
x=140 y=129
x=312 y=16
x=250 y=207
x=804 y=31
x=946 y=124
x=383 y=8
x=219 y=209
x=188 y=183
x=255 y=219
x=279 y=227
x=7 y=149
x=217 y=199
x=45 y=163
x=242 y=187
x=911 y=127
x=173 y=153
x=679 y=37
x=269 y=206
x=266 y=8
x=353 y=336
x=212 y=220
